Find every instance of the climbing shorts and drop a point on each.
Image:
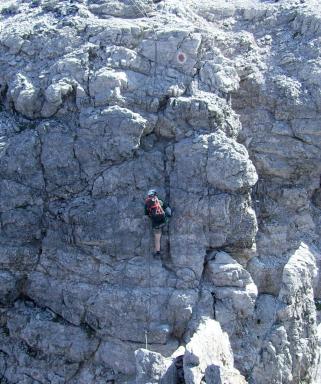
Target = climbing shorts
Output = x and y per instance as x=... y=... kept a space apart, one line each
x=158 y=228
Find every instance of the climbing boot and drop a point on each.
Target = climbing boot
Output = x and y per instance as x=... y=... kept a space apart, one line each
x=157 y=255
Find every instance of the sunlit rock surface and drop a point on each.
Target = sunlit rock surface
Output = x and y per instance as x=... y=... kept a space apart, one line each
x=217 y=106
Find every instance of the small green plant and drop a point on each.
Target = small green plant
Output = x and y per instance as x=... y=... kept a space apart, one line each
x=32 y=352
x=89 y=330
x=5 y=330
x=318 y=305
x=35 y=3
x=9 y=10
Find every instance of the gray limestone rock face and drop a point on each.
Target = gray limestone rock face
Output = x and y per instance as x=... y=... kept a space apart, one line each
x=294 y=314
x=232 y=286
x=216 y=105
x=107 y=136
x=267 y=274
x=219 y=375
x=152 y=368
x=116 y=354
x=25 y=96
x=106 y=86
x=215 y=210
x=209 y=347
x=317 y=371
x=9 y=287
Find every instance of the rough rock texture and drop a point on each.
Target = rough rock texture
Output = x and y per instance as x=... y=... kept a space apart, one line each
x=153 y=368
x=215 y=104
x=209 y=354
x=288 y=346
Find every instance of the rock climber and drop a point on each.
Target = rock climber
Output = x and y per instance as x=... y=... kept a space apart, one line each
x=159 y=212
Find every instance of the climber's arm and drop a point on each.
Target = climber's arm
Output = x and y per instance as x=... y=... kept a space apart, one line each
x=167 y=209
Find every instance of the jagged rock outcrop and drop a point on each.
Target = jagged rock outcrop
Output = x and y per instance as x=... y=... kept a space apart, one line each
x=209 y=354
x=282 y=358
x=217 y=106
x=152 y=367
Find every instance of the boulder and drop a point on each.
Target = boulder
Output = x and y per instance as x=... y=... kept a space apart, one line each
x=209 y=346
x=153 y=368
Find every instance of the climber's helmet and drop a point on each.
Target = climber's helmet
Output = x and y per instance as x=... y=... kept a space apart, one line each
x=152 y=192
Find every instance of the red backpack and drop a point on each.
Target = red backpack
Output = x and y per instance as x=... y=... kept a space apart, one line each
x=154 y=209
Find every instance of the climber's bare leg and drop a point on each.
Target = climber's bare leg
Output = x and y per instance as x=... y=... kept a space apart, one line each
x=158 y=235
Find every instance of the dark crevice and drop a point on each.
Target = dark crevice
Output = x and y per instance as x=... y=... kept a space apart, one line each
x=88 y=329
x=316 y=198
x=178 y=362
x=214 y=304
x=163 y=102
